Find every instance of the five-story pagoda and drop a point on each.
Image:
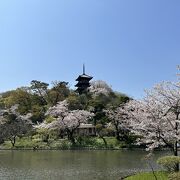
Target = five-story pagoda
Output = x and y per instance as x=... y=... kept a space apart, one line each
x=83 y=82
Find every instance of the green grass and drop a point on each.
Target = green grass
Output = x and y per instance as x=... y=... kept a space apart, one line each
x=82 y=142
x=25 y=143
x=149 y=176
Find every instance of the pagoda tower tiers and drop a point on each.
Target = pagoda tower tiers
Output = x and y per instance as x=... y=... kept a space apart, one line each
x=83 y=82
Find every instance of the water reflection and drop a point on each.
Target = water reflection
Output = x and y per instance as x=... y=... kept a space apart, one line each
x=71 y=165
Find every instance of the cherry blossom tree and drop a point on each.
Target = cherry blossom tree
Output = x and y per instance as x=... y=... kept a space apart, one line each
x=65 y=119
x=156 y=119
x=119 y=120
x=100 y=88
x=12 y=124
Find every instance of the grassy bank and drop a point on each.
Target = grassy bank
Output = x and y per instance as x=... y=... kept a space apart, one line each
x=149 y=176
x=82 y=142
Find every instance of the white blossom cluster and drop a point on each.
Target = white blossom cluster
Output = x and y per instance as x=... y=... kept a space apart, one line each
x=100 y=87
x=64 y=118
x=156 y=119
x=119 y=118
x=18 y=125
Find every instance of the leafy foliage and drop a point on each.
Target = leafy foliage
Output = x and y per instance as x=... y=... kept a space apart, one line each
x=174 y=176
x=169 y=162
x=39 y=98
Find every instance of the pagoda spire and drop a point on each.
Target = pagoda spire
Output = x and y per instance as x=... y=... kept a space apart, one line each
x=84 y=69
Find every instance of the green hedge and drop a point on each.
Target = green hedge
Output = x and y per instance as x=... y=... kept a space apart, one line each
x=169 y=162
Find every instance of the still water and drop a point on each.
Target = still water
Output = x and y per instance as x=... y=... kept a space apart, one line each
x=72 y=165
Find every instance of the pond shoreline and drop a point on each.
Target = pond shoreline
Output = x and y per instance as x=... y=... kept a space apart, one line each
x=66 y=149
x=81 y=149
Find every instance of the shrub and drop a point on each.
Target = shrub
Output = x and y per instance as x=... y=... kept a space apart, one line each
x=169 y=162
x=174 y=176
x=85 y=141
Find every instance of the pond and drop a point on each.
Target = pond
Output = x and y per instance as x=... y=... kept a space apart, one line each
x=72 y=165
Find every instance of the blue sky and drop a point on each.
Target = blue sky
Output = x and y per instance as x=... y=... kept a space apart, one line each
x=130 y=44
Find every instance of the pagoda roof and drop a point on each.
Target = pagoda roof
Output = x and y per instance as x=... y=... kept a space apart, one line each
x=84 y=76
x=82 y=85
